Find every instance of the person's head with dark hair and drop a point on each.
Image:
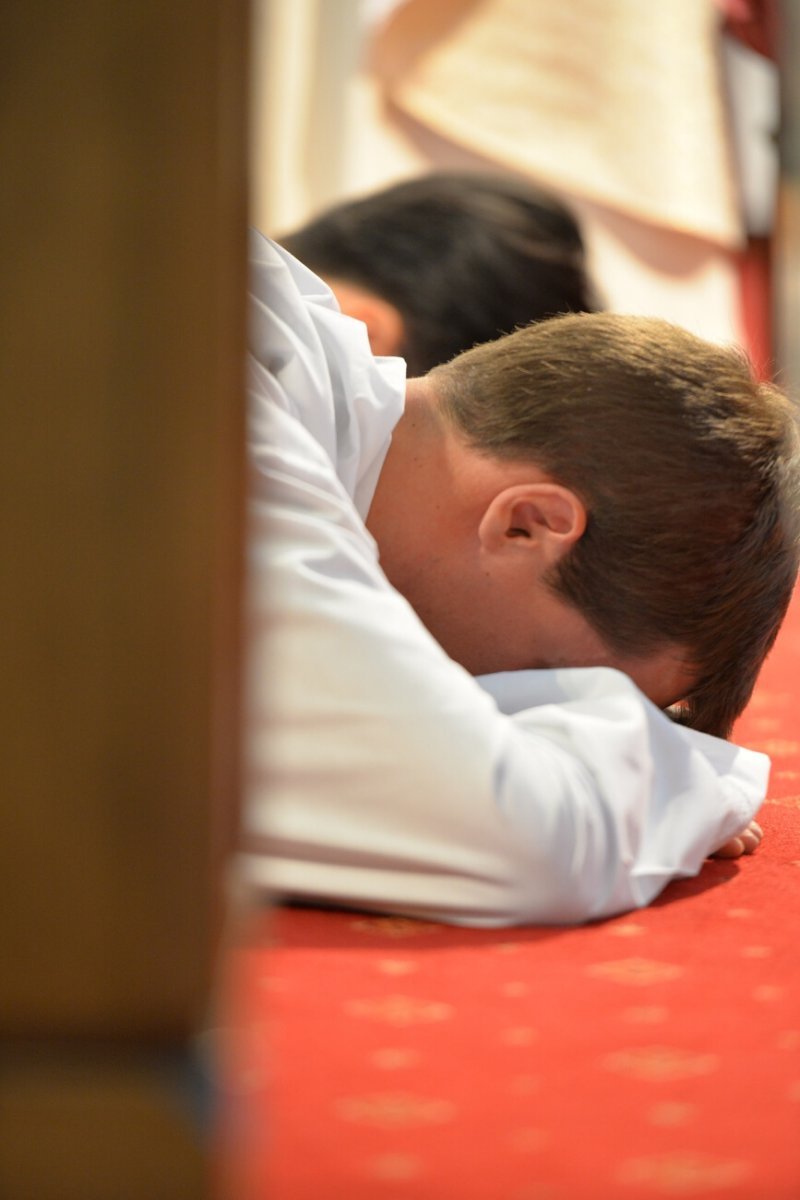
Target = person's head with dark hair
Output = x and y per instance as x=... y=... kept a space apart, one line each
x=444 y=262
x=599 y=490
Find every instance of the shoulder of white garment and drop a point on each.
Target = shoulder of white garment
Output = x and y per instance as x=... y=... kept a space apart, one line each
x=317 y=364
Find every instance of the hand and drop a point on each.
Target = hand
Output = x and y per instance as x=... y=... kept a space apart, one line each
x=744 y=843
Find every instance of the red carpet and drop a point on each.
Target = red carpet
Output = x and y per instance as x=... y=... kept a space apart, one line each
x=654 y=1055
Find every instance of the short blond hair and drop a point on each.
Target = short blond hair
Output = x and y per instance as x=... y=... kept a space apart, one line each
x=690 y=472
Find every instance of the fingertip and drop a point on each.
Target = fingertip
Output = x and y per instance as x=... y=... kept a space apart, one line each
x=732 y=849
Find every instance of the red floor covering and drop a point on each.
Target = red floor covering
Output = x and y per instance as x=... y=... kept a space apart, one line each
x=654 y=1055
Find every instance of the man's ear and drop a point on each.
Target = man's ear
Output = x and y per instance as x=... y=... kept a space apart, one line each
x=383 y=321
x=544 y=518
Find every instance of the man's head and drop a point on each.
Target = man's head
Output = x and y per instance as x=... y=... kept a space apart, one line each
x=439 y=264
x=654 y=487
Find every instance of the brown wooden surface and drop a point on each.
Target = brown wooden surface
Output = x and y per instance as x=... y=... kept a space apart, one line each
x=121 y=460
x=121 y=342
x=98 y=1127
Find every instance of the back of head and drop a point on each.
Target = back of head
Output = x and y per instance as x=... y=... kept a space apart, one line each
x=690 y=472
x=464 y=257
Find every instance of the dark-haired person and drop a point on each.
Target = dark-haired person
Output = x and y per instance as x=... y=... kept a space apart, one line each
x=475 y=594
x=438 y=264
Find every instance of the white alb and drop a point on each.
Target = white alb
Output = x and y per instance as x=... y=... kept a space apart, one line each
x=380 y=774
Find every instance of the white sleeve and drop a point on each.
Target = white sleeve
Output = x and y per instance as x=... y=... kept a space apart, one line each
x=648 y=801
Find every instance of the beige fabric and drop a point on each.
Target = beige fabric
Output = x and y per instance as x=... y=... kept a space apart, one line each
x=615 y=101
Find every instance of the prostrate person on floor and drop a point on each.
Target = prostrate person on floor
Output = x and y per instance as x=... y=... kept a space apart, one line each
x=474 y=596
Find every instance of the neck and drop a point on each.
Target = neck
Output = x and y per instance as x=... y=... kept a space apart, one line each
x=426 y=512
x=412 y=468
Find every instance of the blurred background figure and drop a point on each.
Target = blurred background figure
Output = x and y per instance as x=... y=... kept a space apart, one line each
x=622 y=109
x=438 y=264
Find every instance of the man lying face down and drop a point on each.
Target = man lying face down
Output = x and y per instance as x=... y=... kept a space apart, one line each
x=473 y=596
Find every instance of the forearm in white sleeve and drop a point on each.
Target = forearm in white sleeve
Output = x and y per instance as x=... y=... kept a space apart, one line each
x=648 y=800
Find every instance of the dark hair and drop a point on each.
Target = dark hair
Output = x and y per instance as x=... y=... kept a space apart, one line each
x=464 y=257
x=690 y=472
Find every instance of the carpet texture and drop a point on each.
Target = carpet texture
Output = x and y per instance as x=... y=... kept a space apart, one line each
x=653 y=1055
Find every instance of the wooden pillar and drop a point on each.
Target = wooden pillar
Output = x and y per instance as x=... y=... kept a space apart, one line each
x=124 y=213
